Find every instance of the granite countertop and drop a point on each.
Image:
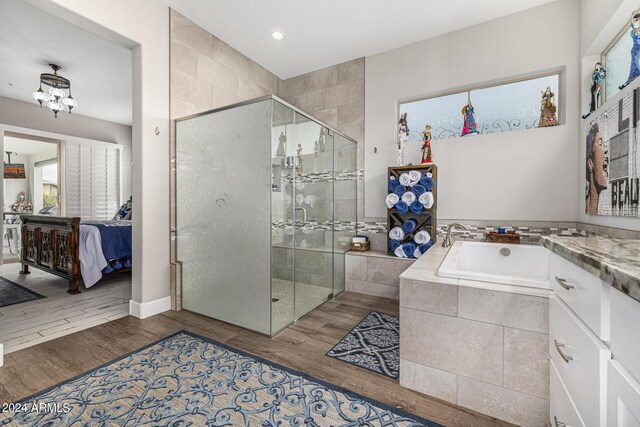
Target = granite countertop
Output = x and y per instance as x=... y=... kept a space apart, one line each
x=615 y=261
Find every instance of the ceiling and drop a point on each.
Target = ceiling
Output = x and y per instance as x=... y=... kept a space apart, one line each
x=335 y=31
x=100 y=71
x=25 y=147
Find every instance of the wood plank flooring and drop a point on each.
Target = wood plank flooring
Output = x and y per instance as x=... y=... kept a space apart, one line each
x=33 y=322
x=301 y=347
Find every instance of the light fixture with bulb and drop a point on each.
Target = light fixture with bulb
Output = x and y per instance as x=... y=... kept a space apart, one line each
x=277 y=35
x=55 y=97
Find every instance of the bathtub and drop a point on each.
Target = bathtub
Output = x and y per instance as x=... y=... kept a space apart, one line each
x=519 y=265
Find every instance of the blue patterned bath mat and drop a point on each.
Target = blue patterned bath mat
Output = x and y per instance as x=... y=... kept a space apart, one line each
x=374 y=344
x=189 y=380
x=12 y=293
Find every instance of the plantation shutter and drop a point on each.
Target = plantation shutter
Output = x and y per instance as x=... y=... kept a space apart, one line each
x=92 y=180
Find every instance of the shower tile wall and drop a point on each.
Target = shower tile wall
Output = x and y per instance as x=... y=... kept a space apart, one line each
x=207 y=73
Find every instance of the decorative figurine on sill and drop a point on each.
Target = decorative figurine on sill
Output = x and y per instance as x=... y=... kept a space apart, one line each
x=299 y=157
x=634 y=71
x=322 y=140
x=22 y=204
x=282 y=145
x=403 y=138
x=547 y=109
x=316 y=147
x=426 y=146
x=597 y=80
x=469 y=126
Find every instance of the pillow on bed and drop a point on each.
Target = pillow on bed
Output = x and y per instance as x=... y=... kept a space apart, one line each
x=124 y=211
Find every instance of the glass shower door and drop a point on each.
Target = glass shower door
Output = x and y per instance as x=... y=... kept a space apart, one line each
x=313 y=242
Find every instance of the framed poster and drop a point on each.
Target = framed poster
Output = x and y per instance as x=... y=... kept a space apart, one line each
x=611 y=163
x=14 y=171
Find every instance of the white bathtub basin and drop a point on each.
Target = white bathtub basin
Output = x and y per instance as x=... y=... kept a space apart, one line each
x=520 y=265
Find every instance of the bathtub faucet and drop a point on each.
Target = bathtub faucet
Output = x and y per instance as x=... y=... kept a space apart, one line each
x=447 y=239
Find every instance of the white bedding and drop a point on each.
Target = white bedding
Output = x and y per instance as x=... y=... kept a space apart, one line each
x=92 y=259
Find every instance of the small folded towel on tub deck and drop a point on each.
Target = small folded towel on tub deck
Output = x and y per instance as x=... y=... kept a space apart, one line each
x=393 y=183
x=409 y=197
x=422 y=237
x=399 y=252
x=427 y=182
x=405 y=179
x=400 y=190
x=396 y=233
x=402 y=207
x=409 y=225
x=416 y=207
x=393 y=245
x=426 y=199
x=409 y=248
x=419 y=190
x=391 y=200
x=414 y=176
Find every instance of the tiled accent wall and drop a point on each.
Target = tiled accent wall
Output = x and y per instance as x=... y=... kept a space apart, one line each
x=206 y=73
x=334 y=95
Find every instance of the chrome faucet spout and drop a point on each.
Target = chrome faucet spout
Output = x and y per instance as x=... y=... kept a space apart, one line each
x=447 y=239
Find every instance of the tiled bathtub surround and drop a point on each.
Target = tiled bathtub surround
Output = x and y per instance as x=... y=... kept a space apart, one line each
x=482 y=349
x=374 y=273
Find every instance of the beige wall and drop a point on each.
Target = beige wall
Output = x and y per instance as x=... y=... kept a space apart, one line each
x=31 y=116
x=334 y=95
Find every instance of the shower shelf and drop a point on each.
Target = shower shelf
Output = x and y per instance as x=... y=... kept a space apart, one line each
x=427 y=218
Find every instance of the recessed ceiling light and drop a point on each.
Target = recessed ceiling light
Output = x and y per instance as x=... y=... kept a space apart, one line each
x=277 y=35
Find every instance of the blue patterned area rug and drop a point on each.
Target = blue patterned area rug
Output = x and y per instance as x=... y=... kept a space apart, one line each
x=189 y=380
x=374 y=344
x=12 y=293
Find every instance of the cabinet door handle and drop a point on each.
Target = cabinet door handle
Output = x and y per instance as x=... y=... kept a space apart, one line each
x=558 y=423
x=563 y=283
x=564 y=356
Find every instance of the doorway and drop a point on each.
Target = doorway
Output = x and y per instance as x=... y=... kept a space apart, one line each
x=31 y=184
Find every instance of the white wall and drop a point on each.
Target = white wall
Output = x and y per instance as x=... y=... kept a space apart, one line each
x=142 y=25
x=524 y=175
x=600 y=23
x=31 y=116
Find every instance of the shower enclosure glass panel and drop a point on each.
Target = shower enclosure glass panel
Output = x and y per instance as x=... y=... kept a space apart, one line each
x=265 y=209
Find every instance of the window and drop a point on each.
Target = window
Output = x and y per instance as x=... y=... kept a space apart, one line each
x=617 y=61
x=92 y=183
x=501 y=108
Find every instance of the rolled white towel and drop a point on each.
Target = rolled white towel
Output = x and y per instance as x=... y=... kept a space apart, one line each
x=408 y=197
x=399 y=252
x=396 y=233
x=405 y=179
x=417 y=253
x=422 y=237
x=391 y=200
x=426 y=199
x=414 y=177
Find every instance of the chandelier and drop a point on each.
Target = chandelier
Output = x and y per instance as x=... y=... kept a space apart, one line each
x=55 y=98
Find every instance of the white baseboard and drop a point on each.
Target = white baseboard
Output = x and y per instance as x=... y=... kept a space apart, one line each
x=148 y=309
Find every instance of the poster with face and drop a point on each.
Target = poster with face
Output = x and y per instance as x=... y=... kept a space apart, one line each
x=612 y=142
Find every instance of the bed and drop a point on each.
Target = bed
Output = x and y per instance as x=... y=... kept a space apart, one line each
x=79 y=251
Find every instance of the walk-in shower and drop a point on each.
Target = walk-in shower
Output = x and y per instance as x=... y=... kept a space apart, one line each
x=265 y=211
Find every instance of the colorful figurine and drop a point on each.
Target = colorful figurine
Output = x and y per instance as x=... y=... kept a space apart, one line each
x=403 y=138
x=548 y=109
x=635 y=50
x=597 y=80
x=469 y=126
x=426 y=146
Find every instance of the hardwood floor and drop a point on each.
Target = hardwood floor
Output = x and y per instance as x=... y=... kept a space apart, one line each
x=33 y=322
x=301 y=347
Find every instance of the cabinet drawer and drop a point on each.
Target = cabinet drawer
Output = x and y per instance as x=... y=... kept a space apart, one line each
x=580 y=359
x=623 y=392
x=562 y=411
x=625 y=331
x=584 y=293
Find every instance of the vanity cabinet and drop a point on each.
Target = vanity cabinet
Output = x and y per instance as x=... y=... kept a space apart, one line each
x=563 y=410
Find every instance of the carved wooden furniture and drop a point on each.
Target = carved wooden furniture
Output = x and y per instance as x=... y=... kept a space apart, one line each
x=427 y=218
x=51 y=244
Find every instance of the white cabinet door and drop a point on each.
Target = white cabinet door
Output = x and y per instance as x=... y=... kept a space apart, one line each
x=562 y=412
x=623 y=397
